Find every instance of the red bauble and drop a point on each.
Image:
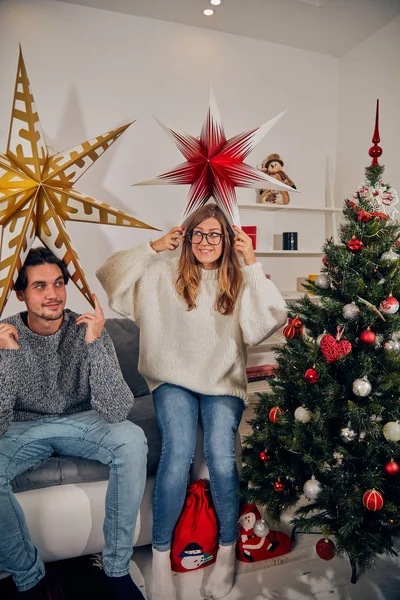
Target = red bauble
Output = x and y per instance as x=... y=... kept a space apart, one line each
x=293 y=329
x=325 y=549
x=325 y=261
x=311 y=376
x=278 y=485
x=274 y=414
x=392 y=467
x=354 y=245
x=373 y=500
x=333 y=349
x=367 y=336
x=263 y=456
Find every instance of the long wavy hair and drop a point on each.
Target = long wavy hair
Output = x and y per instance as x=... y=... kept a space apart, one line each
x=230 y=274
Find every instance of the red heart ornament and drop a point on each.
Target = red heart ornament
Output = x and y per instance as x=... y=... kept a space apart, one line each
x=333 y=349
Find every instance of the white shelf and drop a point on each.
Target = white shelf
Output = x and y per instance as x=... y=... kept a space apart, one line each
x=276 y=340
x=294 y=295
x=288 y=253
x=289 y=207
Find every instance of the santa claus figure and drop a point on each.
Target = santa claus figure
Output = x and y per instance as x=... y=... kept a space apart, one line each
x=251 y=546
x=273 y=166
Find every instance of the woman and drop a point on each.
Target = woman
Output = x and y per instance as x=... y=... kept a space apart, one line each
x=197 y=314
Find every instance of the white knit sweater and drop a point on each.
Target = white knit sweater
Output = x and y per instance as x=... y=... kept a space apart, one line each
x=200 y=349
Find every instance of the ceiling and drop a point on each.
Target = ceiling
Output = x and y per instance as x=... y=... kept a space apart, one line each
x=328 y=26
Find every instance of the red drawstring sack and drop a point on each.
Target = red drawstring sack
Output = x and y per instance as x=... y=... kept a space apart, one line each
x=251 y=547
x=195 y=539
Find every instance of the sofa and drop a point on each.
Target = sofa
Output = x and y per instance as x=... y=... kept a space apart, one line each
x=63 y=497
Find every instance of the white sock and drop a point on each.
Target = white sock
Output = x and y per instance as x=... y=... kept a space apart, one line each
x=162 y=586
x=221 y=579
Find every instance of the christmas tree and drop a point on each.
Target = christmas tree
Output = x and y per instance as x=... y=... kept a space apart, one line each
x=329 y=429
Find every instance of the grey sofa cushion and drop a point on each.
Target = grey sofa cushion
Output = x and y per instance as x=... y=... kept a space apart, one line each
x=58 y=470
x=125 y=337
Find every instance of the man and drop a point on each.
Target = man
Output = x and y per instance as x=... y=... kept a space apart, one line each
x=62 y=391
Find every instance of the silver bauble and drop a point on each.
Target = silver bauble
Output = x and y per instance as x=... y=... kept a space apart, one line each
x=323 y=281
x=302 y=414
x=390 y=255
x=312 y=488
x=362 y=387
x=392 y=345
x=391 y=431
x=347 y=434
x=350 y=311
x=261 y=528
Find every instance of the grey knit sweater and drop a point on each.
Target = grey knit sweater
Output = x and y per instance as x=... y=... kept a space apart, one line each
x=60 y=374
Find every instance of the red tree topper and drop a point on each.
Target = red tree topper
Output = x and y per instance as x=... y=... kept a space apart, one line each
x=376 y=151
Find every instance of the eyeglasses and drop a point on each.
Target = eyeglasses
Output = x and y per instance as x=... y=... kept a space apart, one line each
x=212 y=237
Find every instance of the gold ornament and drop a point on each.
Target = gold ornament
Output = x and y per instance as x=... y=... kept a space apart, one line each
x=36 y=193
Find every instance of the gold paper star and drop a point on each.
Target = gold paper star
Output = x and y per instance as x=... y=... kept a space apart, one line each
x=36 y=193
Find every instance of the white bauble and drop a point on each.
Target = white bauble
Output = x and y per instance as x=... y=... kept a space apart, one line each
x=312 y=488
x=392 y=345
x=391 y=431
x=350 y=311
x=362 y=387
x=347 y=434
x=391 y=255
x=261 y=528
x=302 y=414
x=323 y=281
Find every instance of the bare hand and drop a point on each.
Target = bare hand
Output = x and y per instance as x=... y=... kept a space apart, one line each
x=244 y=246
x=8 y=337
x=95 y=322
x=169 y=241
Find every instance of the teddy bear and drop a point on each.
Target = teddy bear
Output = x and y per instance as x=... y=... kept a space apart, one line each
x=273 y=166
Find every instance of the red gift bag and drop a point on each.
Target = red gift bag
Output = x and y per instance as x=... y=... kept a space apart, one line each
x=251 y=547
x=195 y=540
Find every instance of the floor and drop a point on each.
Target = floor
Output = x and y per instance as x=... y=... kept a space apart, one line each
x=302 y=576
x=299 y=575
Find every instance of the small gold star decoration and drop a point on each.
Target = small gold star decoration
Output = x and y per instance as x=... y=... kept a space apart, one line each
x=36 y=193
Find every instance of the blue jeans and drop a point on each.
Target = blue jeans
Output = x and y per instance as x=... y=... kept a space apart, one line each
x=178 y=411
x=122 y=446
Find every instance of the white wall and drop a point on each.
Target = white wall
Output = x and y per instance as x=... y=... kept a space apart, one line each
x=92 y=70
x=369 y=71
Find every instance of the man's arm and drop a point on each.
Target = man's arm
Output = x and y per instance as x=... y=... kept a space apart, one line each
x=110 y=394
x=9 y=373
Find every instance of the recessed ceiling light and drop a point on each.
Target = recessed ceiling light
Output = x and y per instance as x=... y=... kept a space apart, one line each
x=208 y=12
x=215 y=2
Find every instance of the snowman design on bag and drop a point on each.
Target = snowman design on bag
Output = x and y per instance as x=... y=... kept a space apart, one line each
x=193 y=556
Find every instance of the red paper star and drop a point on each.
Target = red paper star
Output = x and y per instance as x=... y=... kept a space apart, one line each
x=214 y=165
